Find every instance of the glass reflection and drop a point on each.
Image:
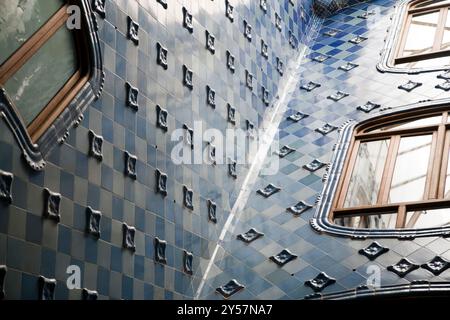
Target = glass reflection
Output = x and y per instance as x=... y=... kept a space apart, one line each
x=19 y=20
x=446 y=36
x=428 y=218
x=378 y=221
x=367 y=173
x=411 y=166
x=421 y=33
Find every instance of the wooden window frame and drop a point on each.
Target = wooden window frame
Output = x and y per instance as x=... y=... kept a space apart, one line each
x=436 y=51
x=69 y=90
x=436 y=172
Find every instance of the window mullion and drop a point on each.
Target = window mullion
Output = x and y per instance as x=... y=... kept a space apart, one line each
x=440 y=29
x=388 y=171
x=444 y=165
x=404 y=36
x=434 y=166
x=401 y=217
x=348 y=173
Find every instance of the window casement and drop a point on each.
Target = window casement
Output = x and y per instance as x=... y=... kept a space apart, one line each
x=396 y=175
x=50 y=70
x=419 y=39
x=42 y=62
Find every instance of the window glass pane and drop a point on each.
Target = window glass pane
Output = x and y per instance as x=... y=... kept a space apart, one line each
x=366 y=176
x=20 y=19
x=410 y=172
x=428 y=218
x=447 y=181
x=446 y=37
x=421 y=33
x=411 y=124
x=378 y=221
x=41 y=77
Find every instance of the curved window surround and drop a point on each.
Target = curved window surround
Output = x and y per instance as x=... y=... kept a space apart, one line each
x=419 y=38
x=390 y=177
x=48 y=72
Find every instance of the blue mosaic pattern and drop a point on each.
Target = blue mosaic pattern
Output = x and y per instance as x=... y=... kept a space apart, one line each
x=130 y=56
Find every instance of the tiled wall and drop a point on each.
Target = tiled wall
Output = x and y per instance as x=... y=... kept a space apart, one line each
x=31 y=245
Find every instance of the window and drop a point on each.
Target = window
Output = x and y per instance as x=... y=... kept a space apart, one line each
x=397 y=175
x=42 y=64
x=419 y=39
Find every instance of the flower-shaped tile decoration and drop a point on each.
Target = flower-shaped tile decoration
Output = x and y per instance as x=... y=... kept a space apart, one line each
x=95 y=146
x=283 y=257
x=231 y=114
x=3 y=270
x=444 y=85
x=296 y=117
x=348 y=66
x=132 y=97
x=232 y=170
x=212 y=153
x=230 y=288
x=436 y=266
x=357 y=40
x=278 y=22
x=93 y=222
x=188 y=78
x=130 y=165
x=99 y=7
x=250 y=129
x=133 y=31
x=46 y=288
x=263 y=5
x=210 y=97
x=128 y=237
x=187 y=20
x=188 y=196
x=250 y=236
x=161 y=182
x=264 y=49
x=314 y=165
x=161 y=118
x=338 y=96
x=247 y=31
x=269 y=190
x=265 y=96
x=210 y=42
x=188 y=135
x=284 y=151
x=229 y=10
x=320 y=282
x=89 y=295
x=310 y=86
x=212 y=211
x=6 y=180
x=299 y=208
x=248 y=79
x=160 y=250
x=409 y=86
x=187 y=262
x=280 y=66
x=161 y=56
x=230 y=61
x=326 y=129
x=331 y=33
x=163 y=3
x=445 y=75
x=52 y=205
x=373 y=251
x=292 y=40
x=320 y=58
x=403 y=267
x=366 y=14
x=368 y=106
